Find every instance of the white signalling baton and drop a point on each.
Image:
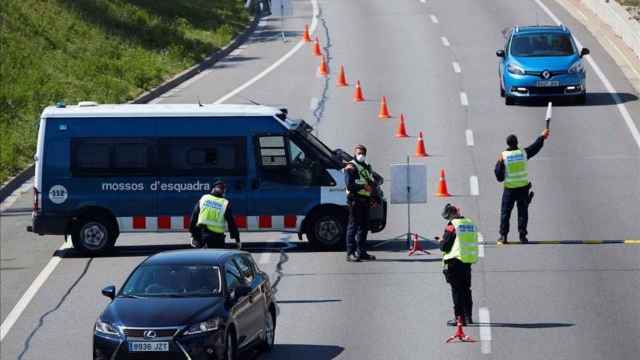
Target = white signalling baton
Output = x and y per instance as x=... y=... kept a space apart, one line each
x=549 y=111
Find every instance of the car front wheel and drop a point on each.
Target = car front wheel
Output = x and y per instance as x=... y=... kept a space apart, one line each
x=509 y=100
x=269 y=332
x=230 y=347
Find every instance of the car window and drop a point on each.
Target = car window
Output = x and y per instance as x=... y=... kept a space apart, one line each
x=232 y=276
x=246 y=268
x=541 y=44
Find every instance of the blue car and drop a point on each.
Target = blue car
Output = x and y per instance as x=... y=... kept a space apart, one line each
x=541 y=61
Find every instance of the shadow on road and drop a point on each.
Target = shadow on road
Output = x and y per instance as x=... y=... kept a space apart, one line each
x=593 y=99
x=300 y=351
x=521 y=325
x=308 y=301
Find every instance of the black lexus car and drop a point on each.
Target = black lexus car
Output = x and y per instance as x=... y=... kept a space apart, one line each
x=188 y=304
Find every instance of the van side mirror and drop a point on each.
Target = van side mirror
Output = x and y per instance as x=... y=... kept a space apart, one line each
x=500 y=53
x=109 y=291
x=584 y=52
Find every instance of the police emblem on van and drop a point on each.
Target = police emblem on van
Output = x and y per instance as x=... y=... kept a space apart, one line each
x=58 y=194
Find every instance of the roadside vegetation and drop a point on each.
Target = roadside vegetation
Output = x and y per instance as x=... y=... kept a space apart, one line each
x=633 y=7
x=104 y=50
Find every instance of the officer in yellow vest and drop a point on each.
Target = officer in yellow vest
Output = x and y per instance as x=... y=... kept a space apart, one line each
x=512 y=170
x=208 y=219
x=460 y=247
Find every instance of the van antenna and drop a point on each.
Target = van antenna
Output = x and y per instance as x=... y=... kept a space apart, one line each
x=249 y=100
x=199 y=103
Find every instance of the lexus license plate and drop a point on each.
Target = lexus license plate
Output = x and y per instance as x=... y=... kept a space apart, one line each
x=143 y=346
x=548 y=83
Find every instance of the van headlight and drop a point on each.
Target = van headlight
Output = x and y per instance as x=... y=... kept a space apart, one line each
x=514 y=69
x=105 y=328
x=205 y=326
x=577 y=67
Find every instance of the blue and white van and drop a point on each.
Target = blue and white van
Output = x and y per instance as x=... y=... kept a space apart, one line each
x=102 y=170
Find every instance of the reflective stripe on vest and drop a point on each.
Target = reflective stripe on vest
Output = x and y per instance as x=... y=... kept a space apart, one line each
x=465 y=246
x=212 y=211
x=516 y=173
x=364 y=177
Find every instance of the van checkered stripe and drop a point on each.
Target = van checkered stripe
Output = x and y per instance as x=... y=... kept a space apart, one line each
x=181 y=223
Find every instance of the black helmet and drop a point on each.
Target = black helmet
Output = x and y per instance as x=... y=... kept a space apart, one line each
x=218 y=182
x=449 y=212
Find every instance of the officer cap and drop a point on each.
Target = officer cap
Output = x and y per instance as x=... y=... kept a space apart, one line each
x=512 y=140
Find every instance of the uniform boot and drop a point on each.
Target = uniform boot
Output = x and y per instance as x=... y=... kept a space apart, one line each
x=523 y=238
x=502 y=240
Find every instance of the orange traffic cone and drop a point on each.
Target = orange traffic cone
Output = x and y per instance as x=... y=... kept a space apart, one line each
x=420 y=150
x=384 y=109
x=323 y=69
x=358 y=97
x=401 y=132
x=442 y=186
x=305 y=35
x=316 y=47
x=342 y=78
x=459 y=335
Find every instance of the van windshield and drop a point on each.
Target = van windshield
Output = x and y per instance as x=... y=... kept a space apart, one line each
x=317 y=144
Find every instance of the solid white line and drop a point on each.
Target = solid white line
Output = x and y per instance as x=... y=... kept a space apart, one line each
x=456 y=67
x=300 y=44
x=464 y=100
x=582 y=15
x=485 y=330
x=474 y=186
x=445 y=41
x=26 y=298
x=434 y=19
x=469 y=135
x=622 y=109
x=480 y=245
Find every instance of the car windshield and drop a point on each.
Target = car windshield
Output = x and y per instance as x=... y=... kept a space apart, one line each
x=173 y=281
x=550 y=44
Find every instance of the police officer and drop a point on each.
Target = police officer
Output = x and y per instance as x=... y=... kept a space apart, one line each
x=511 y=169
x=361 y=185
x=208 y=219
x=460 y=247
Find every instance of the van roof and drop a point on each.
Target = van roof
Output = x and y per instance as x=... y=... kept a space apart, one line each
x=155 y=110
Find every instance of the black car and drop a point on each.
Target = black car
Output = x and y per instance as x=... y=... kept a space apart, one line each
x=188 y=304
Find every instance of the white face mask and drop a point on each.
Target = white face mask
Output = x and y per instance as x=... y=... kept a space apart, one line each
x=361 y=158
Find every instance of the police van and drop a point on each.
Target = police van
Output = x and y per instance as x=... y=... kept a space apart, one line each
x=102 y=170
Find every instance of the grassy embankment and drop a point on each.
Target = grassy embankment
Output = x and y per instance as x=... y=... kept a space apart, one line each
x=103 y=50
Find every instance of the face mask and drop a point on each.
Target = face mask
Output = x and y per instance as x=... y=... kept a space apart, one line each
x=361 y=158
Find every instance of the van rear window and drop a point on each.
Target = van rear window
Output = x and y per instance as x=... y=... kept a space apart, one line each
x=110 y=157
x=203 y=156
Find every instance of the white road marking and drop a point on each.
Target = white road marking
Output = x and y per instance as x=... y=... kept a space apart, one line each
x=456 y=67
x=480 y=245
x=423 y=1
x=26 y=298
x=445 y=41
x=285 y=57
x=474 y=186
x=622 y=109
x=582 y=15
x=485 y=330
x=265 y=258
x=469 y=135
x=434 y=19
x=464 y=100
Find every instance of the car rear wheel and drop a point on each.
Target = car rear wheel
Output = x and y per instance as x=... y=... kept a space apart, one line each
x=269 y=332
x=327 y=230
x=93 y=235
x=230 y=347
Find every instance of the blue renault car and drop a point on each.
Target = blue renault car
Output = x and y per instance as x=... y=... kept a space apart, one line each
x=541 y=61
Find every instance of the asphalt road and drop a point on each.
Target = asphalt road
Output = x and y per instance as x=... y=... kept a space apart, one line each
x=533 y=302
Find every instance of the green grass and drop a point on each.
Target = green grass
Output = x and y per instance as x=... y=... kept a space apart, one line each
x=104 y=50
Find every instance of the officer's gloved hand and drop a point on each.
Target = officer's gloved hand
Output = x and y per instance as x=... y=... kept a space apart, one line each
x=239 y=245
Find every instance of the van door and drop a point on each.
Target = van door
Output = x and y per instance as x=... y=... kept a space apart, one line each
x=189 y=166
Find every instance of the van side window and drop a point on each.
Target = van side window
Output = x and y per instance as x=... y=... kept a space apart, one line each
x=110 y=157
x=203 y=156
x=272 y=151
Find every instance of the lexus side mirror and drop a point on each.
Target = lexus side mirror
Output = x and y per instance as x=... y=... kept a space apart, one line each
x=500 y=53
x=242 y=291
x=109 y=291
x=584 y=52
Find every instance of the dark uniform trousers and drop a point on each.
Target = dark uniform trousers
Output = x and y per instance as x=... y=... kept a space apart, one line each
x=210 y=239
x=358 y=225
x=510 y=197
x=458 y=275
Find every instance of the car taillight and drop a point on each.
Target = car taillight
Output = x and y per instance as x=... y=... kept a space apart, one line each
x=36 y=205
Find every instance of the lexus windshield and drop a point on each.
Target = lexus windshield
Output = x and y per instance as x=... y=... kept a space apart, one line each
x=173 y=281
x=537 y=45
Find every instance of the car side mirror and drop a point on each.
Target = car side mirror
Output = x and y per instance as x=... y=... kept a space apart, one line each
x=584 y=52
x=242 y=291
x=109 y=291
x=500 y=53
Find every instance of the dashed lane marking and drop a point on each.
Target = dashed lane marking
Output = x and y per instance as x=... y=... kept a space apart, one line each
x=434 y=19
x=464 y=100
x=456 y=67
x=485 y=330
x=445 y=41
x=474 y=186
x=632 y=242
x=577 y=242
x=469 y=135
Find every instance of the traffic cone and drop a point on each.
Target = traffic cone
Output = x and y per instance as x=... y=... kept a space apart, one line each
x=442 y=186
x=316 y=47
x=415 y=246
x=420 y=150
x=401 y=132
x=358 y=97
x=459 y=335
x=305 y=35
x=323 y=69
x=384 y=109
x=342 y=78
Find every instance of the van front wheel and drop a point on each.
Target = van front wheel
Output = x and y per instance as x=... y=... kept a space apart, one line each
x=92 y=235
x=327 y=231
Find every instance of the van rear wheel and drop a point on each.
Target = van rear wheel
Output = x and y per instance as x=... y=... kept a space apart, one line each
x=93 y=235
x=327 y=231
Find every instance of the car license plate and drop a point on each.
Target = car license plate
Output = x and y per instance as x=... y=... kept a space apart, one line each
x=548 y=83
x=148 y=346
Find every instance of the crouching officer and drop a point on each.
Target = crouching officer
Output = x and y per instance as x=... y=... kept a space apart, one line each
x=460 y=247
x=361 y=186
x=208 y=219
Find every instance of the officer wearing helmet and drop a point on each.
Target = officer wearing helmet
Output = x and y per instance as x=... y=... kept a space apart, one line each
x=460 y=247
x=208 y=219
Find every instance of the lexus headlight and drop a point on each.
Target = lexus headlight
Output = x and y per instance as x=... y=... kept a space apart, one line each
x=514 y=69
x=205 y=326
x=106 y=328
x=577 y=67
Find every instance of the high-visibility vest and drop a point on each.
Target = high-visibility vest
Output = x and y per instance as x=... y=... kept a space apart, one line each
x=212 y=211
x=364 y=177
x=465 y=245
x=515 y=164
